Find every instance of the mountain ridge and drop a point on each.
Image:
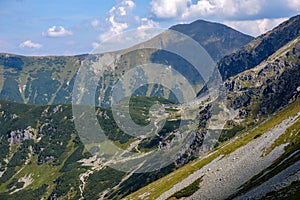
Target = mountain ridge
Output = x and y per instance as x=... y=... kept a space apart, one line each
x=260 y=48
x=43 y=157
x=20 y=76
x=200 y=29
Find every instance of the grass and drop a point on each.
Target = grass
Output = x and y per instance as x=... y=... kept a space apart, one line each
x=164 y=184
x=41 y=174
x=291 y=137
x=290 y=192
x=187 y=191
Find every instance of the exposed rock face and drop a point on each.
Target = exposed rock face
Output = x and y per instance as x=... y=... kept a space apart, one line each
x=260 y=49
x=257 y=92
x=269 y=86
x=18 y=136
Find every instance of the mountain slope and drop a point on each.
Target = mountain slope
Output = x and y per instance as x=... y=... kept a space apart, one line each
x=50 y=80
x=43 y=156
x=212 y=169
x=260 y=49
x=275 y=80
x=218 y=39
x=256 y=94
x=37 y=80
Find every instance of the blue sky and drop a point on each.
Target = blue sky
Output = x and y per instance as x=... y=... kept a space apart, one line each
x=68 y=27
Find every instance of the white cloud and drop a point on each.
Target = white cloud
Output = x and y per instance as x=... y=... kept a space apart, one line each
x=168 y=8
x=186 y=9
x=95 y=24
x=115 y=28
x=57 y=31
x=147 y=23
x=117 y=19
x=255 y=27
x=122 y=11
x=30 y=44
x=294 y=4
x=129 y=3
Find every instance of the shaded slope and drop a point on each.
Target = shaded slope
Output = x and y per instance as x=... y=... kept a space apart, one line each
x=271 y=85
x=260 y=48
x=50 y=79
x=217 y=39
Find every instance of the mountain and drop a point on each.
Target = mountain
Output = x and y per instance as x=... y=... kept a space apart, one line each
x=260 y=49
x=42 y=155
x=50 y=79
x=255 y=157
x=217 y=39
x=275 y=80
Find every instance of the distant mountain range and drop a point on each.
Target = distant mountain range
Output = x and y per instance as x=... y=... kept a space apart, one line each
x=50 y=79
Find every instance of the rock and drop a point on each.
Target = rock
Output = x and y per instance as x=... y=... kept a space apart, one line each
x=18 y=136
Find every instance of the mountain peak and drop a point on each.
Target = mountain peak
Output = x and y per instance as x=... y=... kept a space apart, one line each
x=218 y=39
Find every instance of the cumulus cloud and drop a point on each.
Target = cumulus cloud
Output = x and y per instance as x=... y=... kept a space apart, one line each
x=30 y=44
x=255 y=27
x=117 y=20
x=168 y=8
x=188 y=9
x=115 y=28
x=147 y=23
x=57 y=31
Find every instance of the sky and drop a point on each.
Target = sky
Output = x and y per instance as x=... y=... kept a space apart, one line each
x=71 y=27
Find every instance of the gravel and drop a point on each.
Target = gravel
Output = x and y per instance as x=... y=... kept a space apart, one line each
x=281 y=180
x=223 y=176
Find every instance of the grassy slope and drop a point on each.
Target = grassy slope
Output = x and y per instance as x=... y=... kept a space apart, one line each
x=160 y=186
x=46 y=173
x=41 y=174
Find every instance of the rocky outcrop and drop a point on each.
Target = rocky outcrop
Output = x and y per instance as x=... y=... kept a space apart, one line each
x=18 y=136
x=269 y=86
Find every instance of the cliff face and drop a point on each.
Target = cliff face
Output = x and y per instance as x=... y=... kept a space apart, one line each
x=272 y=84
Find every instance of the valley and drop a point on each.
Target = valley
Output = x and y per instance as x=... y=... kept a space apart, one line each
x=237 y=140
